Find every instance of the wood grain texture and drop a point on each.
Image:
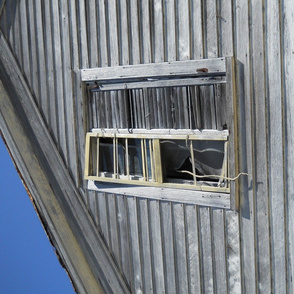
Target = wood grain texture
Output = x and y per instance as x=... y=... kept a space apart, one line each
x=52 y=41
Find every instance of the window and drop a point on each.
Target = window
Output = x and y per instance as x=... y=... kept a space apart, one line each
x=175 y=163
x=186 y=159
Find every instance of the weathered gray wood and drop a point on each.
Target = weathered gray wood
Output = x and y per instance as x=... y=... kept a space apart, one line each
x=260 y=181
x=160 y=84
x=206 y=250
x=183 y=30
x=214 y=66
x=180 y=248
x=144 y=225
x=219 y=250
x=232 y=242
x=70 y=126
x=42 y=71
x=276 y=163
x=288 y=66
x=113 y=228
x=156 y=246
x=158 y=33
x=34 y=78
x=93 y=40
x=103 y=217
x=193 y=249
x=247 y=216
x=168 y=248
x=170 y=30
x=124 y=237
x=137 y=279
x=221 y=200
x=134 y=44
x=197 y=29
x=59 y=79
x=123 y=32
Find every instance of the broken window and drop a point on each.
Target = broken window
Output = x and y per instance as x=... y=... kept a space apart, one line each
x=169 y=125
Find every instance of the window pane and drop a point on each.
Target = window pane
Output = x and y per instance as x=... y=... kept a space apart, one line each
x=176 y=157
x=106 y=155
x=93 y=157
x=121 y=156
x=209 y=157
x=135 y=157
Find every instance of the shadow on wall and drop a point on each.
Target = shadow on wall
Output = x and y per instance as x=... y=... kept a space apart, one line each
x=246 y=183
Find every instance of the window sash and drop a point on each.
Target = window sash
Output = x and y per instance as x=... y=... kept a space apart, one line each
x=148 y=159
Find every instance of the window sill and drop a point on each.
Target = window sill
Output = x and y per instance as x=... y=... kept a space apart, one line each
x=212 y=199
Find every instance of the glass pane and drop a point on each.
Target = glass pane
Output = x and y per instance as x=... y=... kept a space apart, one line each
x=106 y=155
x=149 y=158
x=135 y=157
x=209 y=157
x=93 y=157
x=176 y=160
x=121 y=156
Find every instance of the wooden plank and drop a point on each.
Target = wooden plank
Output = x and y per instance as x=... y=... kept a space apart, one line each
x=144 y=225
x=102 y=40
x=156 y=246
x=124 y=242
x=103 y=217
x=211 y=29
x=92 y=206
x=288 y=66
x=47 y=21
x=206 y=250
x=219 y=250
x=197 y=45
x=137 y=279
x=24 y=39
x=158 y=33
x=17 y=35
x=70 y=125
x=234 y=278
x=276 y=163
x=58 y=70
x=134 y=44
x=168 y=247
x=123 y=32
x=113 y=228
x=193 y=249
x=93 y=37
x=42 y=71
x=160 y=84
x=260 y=176
x=180 y=248
x=183 y=30
x=145 y=31
x=79 y=58
x=169 y=20
x=247 y=216
x=34 y=77
x=211 y=199
x=214 y=66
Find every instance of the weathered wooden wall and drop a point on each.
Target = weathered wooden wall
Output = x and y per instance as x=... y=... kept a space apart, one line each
x=160 y=246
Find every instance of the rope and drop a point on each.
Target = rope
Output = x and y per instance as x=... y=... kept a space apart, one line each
x=214 y=176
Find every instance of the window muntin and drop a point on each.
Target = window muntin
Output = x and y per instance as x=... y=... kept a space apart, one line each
x=178 y=160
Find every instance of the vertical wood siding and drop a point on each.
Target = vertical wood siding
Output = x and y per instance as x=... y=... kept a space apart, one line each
x=164 y=247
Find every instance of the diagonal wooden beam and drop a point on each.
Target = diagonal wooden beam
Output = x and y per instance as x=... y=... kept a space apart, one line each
x=57 y=200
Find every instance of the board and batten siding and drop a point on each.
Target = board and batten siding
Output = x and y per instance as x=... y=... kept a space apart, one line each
x=159 y=246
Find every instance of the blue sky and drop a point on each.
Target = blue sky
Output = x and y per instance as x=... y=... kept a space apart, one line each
x=28 y=263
